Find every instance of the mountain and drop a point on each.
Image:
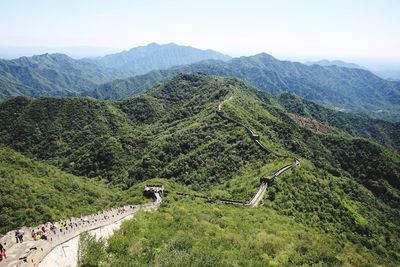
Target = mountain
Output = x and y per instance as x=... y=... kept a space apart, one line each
x=339 y=63
x=51 y=75
x=142 y=59
x=347 y=188
x=345 y=89
x=350 y=90
x=307 y=113
x=60 y=75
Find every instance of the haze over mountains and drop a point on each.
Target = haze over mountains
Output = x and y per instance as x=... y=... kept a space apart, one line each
x=339 y=63
x=142 y=59
x=76 y=52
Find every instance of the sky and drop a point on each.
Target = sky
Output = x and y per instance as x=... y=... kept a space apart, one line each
x=298 y=29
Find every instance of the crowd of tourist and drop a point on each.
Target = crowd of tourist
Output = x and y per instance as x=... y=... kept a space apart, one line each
x=43 y=231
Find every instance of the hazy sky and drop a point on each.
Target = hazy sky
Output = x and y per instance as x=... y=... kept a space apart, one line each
x=367 y=29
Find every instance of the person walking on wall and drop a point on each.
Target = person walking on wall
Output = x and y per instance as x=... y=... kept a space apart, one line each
x=2 y=253
x=19 y=235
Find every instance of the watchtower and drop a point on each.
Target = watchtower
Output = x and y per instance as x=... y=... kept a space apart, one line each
x=154 y=188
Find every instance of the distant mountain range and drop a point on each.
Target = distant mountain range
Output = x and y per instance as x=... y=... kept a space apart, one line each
x=60 y=75
x=142 y=59
x=345 y=89
x=390 y=72
x=51 y=75
x=338 y=63
x=341 y=88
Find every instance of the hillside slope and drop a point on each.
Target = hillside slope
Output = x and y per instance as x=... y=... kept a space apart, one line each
x=32 y=192
x=352 y=90
x=318 y=118
x=51 y=75
x=348 y=186
x=181 y=232
x=142 y=59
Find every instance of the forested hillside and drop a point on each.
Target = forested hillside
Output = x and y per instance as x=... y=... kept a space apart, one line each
x=316 y=117
x=340 y=88
x=350 y=90
x=33 y=192
x=51 y=75
x=347 y=186
x=60 y=75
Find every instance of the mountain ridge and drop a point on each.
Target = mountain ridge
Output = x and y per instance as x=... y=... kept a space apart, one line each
x=60 y=75
x=141 y=59
x=339 y=63
x=351 y=90
x=51 y=75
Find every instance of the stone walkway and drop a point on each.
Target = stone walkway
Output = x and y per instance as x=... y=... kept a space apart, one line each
x=31 y=253
x=256 y=200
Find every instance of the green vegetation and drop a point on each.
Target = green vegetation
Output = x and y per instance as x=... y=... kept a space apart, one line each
x=51 y=75
x=347 y=187
x=32 y=192
x=348 y=89
x=352 y=90
x=384 y=132
x=193 y=233
x=91 y=251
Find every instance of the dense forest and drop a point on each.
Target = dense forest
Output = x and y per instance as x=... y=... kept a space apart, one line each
x=347 y=188
x=51 y=75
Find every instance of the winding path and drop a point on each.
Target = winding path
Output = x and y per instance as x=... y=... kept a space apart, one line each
x=256 y=200
x=33 y=253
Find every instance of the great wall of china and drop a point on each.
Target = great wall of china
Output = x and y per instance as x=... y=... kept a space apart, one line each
x=34 y=252
x=264 y=182
x=52 y=252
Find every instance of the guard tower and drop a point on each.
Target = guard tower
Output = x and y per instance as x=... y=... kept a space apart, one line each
x=154 y=188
